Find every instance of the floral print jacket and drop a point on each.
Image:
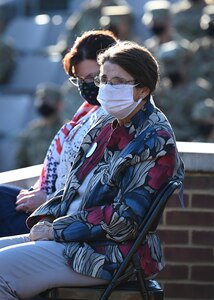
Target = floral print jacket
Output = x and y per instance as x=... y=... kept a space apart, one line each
x=130 y=164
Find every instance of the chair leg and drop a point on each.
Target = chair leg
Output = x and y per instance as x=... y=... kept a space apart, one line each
x=140 y=277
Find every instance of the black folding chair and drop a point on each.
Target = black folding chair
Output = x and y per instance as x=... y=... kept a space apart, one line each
x=119 y=287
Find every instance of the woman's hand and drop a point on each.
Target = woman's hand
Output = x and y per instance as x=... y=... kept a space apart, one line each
x=42 y=231
x=28 y=201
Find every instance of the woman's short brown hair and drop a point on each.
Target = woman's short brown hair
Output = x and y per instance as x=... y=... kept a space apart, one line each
x=134 y=59
x=87 y=46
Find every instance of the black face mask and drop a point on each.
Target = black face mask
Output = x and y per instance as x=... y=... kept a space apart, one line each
x=175 y=78
x=89 y=92
x=158 y=30
x=205 y=129
x=46 y=110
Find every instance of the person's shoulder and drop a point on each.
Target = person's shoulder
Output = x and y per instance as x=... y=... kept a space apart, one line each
x=35 y=124
x=160 y=121
x=154 y=117
x=33 y=128
x=157 y=133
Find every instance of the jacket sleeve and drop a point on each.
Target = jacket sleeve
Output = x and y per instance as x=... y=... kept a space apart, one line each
x=137 y=183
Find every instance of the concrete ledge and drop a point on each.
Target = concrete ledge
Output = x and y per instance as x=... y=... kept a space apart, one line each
x=197 y=157
x=24 y=177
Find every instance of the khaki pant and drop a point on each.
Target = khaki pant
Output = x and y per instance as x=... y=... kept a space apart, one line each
x=29 y=268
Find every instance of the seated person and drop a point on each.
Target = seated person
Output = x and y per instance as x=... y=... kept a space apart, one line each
x=82 y=237
x=81 y=65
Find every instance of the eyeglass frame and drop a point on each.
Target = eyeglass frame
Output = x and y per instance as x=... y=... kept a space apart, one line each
x=75 y=80
x=98 y=82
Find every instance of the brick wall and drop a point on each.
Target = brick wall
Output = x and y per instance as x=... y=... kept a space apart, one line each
x=188 y=241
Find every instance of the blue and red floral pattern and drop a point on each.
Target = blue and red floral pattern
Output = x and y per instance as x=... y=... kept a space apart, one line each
x=130 y=164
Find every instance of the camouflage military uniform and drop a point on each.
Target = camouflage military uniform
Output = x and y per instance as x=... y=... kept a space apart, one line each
x=120 y=20
x=157 y=17
x=203 y=48
x=36 y=138
x=186 y=18
x=86 y=18
x=35 y=141
x=176 y=95
x=177 y=103
x=203 y=115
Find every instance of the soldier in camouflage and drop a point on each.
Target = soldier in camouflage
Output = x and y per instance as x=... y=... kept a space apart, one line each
x=157 y=17
x=87 y=17
x=203 y=48
x=179 y=94
x=36 y=138
x=120 y=20
x=186 y=16
x=203 y=115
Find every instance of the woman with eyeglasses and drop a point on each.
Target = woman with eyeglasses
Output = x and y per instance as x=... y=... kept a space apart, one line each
x=81 y=65
x=82 y=237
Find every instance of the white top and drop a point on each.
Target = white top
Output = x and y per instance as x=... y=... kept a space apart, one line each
x=72 y=144
x=73 y=208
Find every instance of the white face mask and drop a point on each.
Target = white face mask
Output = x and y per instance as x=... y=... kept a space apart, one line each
x=117 y=100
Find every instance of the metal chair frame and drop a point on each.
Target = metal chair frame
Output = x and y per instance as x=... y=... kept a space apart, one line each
x=149 y=224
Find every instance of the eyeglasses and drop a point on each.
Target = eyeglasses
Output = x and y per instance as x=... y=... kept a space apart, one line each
x=114 y=81
x=77 y=80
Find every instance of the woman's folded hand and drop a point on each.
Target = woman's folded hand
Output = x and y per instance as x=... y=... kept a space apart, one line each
x=42 y=231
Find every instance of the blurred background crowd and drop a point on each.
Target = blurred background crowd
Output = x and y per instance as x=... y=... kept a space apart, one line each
x=36 y=97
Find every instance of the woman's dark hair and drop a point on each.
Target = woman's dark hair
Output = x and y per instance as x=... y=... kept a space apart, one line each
x=87 y=46
x=134 y=59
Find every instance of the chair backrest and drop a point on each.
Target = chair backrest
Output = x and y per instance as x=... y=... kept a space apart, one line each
x=26 y=34
x=35 y=69
x=150 y=221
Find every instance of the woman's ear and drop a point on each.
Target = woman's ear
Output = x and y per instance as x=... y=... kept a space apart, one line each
x=141 y=93
x=145 y=91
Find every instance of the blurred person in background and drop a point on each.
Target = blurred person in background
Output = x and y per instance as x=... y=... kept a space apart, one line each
x=158 y=19
x=186 y=16
x=120 y=20
x=203 y=116
x=87 y=17
x=81 y=65
x=177 y=92
x=7 y=60
x=203 y=48
x=36 y=138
